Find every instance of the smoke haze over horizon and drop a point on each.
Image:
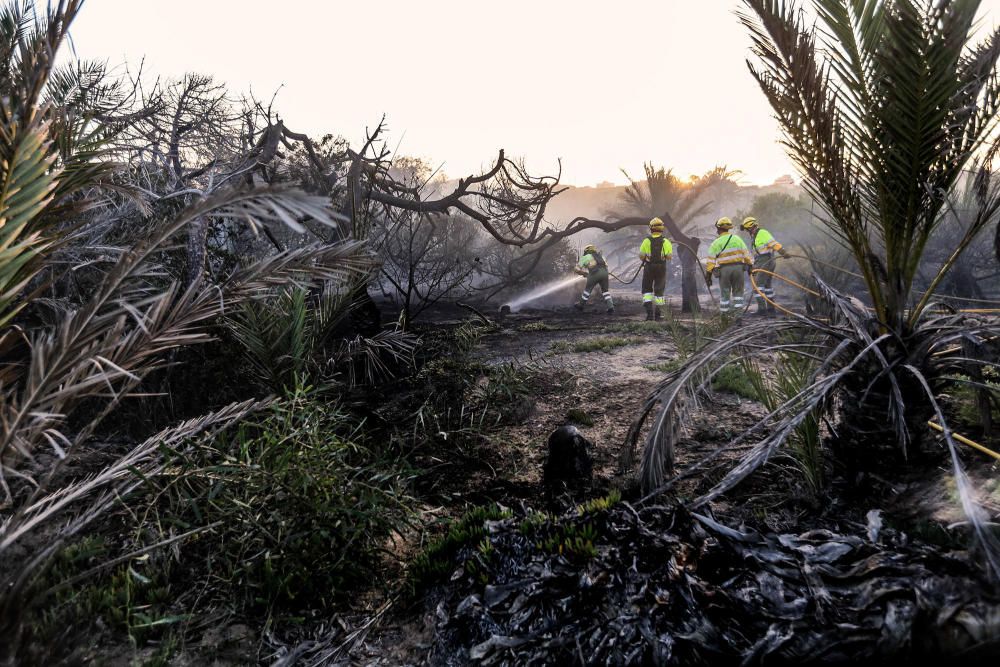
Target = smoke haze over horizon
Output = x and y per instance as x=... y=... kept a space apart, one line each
x=603 y=86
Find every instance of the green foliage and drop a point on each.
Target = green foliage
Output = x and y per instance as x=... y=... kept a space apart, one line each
x=134 y=598
x=638 y=327
x=283 y=336
x=597 y=344
x=467 y=336
x=538 y=326
x=504 y=383
x=570 y=540
x=49 y=145
x=736 y=379
x=533 y=521
x=792 y=373
x=966 y=396
x=599 y=505
x=293 y=334
x=665 y=366
x=690 y=337
x=572 y=537
x=438 y=559
x=845 y=91
x=579 y=416
x=298 y=507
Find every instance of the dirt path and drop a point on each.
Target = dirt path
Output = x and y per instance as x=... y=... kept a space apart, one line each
x=595 y=370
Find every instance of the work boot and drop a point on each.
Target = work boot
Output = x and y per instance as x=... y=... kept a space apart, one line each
x=611 y=310
x=649 y=311
x=658 y=314
x=578 y=305
x=771 y=311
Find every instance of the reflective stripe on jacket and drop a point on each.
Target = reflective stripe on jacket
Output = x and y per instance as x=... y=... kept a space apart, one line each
x=764 y=243
x=727 y=249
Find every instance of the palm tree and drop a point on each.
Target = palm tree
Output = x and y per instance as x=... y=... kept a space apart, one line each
x=882 y=106
x=883 y=127
x=62 y=376
x=678 y=203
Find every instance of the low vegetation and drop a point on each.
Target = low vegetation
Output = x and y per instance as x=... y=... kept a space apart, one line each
x=255 y=379
x=599 y=344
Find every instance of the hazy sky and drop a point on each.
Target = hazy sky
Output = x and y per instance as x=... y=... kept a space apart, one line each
x=602 y=85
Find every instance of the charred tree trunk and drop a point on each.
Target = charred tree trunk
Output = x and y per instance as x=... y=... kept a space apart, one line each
x=963 y=281
x=689 y=278
x=687 y=250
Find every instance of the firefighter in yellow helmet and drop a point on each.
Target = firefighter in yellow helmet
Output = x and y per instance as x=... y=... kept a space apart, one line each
x=728 y=256
x=764 y=247
x=654 y=253
x=595 y=268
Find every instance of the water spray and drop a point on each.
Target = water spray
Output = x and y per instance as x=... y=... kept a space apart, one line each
x=537 y=293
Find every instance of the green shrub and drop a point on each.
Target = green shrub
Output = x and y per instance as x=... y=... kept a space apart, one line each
x=735 y=378
x=504 y=383
x=572 y=537
x=437 y=561
x=640 y=327
x=293 y=334
x=298 y=507
x=792 y=373
x=538 y=326
x=966 y=396
x=665 y=366
x=579 y=416
x=600 y=344
x=134 y=598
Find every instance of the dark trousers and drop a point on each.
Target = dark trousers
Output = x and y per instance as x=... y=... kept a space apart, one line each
x=654 y=279
x=764 y=280
x=597 y=278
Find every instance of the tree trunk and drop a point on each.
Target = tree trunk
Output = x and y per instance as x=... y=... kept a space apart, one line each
x=963 y=281
x=689 y=279
x=688 y=252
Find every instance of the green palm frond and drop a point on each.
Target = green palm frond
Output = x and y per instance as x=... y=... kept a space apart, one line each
x=881 y=121
x=27 y=186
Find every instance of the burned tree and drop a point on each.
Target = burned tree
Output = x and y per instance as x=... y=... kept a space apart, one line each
x=506 y=202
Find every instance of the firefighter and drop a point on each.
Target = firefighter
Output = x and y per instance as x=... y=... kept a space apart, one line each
x=654 y=253
x=728 y=255
x=764 y=246
x=595 y=268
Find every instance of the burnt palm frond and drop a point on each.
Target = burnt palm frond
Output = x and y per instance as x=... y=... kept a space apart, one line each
x=104 y=348
x=855 y=364
x=87 y=499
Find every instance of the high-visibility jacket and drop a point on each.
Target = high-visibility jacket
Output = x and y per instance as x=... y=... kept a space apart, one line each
x=647 y=247
x=593 y=262
x=727 y=249
x=764 y=243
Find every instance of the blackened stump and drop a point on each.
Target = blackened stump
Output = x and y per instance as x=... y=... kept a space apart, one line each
x=568 y=461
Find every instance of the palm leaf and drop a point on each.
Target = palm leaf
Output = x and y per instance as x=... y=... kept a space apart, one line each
x=27 y=186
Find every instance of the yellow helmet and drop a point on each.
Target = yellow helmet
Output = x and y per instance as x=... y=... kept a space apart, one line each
x=749 y=222
x=589 y=248
x=724 y=223
x=656 y=223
